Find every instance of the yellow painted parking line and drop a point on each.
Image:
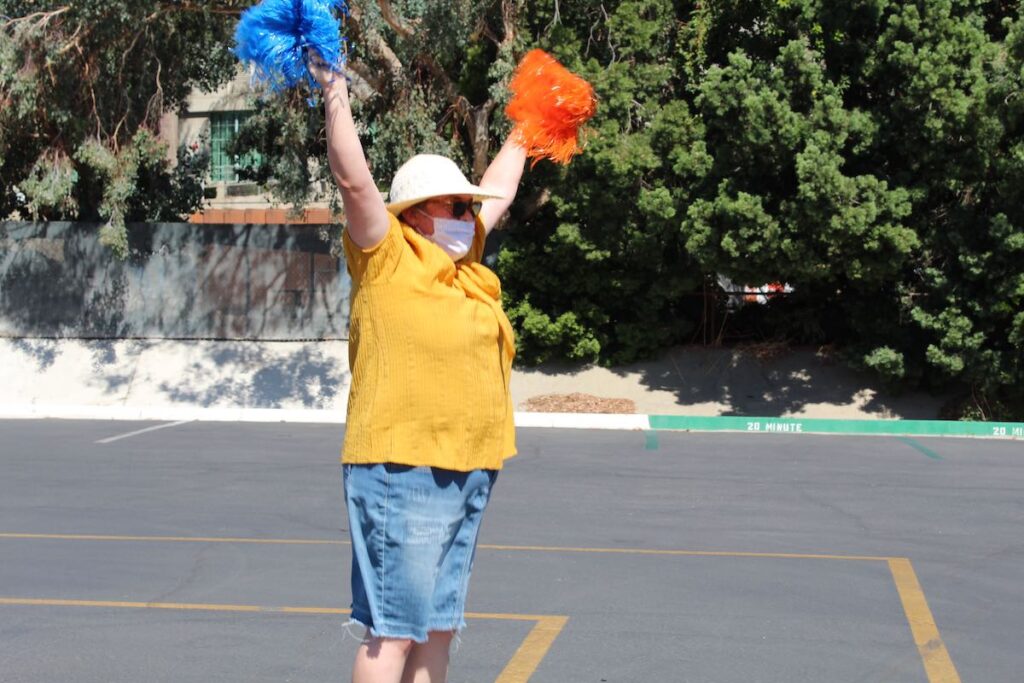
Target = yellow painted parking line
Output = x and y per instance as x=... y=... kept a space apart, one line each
x=529 y=655
x=482 y=546
x=507 y=616
x=215 y=607
x=937 y=663
x=121 y=603
x=681 y=553
x=178 y=539
x=518 y=670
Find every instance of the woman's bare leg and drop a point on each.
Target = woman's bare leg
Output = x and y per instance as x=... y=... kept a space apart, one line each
x=428 y=662
x=381 y=660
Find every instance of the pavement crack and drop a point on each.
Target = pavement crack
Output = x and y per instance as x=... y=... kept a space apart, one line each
x=835 y=508
x=1011 y=549
x=197 y=564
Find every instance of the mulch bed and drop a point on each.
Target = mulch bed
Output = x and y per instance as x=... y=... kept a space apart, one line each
x=578 y=403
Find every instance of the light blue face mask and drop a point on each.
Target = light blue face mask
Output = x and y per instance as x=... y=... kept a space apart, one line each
x=455 y=237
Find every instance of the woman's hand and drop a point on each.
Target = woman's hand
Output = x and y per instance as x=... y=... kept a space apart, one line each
x=322 y=71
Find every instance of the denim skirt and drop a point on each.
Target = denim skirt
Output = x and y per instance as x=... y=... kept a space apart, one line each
x=414 y=532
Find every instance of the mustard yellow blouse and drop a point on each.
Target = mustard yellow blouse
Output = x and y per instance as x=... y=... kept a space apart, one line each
x=430 y=351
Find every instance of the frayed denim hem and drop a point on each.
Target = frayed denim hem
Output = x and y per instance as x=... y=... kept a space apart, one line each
x=400 y=631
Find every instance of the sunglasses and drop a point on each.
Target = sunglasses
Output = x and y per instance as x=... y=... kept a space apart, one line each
x=459 y=207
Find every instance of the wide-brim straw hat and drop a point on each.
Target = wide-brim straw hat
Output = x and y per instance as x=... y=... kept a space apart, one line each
x=429 y=175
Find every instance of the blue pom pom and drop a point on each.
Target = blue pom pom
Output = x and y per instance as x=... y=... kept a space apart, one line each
x=277 y=36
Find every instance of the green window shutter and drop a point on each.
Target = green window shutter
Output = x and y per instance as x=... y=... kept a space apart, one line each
x=224 y=127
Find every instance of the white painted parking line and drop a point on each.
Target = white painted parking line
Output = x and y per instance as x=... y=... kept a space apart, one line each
x=142 y=431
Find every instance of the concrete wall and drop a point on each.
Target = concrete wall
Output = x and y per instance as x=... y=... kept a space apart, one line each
x=180 y=281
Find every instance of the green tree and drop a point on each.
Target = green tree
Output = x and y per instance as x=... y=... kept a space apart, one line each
x=878 y=145
x=83 y=85
x=868 y=153
x=598 y=268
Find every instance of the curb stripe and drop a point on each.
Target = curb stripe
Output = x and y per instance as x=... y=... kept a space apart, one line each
x=792 y=425
x=750 y=425
x=582 y=421
x=168 y=413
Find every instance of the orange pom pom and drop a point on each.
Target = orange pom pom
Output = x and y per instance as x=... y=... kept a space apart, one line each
x=549 y=104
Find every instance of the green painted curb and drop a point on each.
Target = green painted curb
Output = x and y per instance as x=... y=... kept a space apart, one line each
x=791 y=425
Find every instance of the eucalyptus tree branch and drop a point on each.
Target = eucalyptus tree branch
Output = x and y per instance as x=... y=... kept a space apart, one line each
x=153 y=113
x=438 y=72
x=509 y=14
x=392 y=19
x=377 y=46
x=43 y=17
x=480 y=137
x=189 y=7
x=366 y=76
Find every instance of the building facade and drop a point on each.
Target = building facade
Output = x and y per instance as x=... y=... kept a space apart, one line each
x=213 y=119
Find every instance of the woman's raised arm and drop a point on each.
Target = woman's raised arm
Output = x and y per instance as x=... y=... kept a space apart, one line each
x=365 y=213
x=502 y=177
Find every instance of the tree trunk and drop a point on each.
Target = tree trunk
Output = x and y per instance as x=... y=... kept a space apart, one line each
x=479 y=120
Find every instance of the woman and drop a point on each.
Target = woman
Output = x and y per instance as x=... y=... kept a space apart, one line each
x=429 y=414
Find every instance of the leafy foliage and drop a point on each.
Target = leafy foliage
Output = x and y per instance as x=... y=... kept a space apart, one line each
x=82 y=88
x=600 y=270
x=878 y=144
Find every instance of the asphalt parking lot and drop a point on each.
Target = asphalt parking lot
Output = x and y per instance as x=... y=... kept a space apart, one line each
x=134 y=552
